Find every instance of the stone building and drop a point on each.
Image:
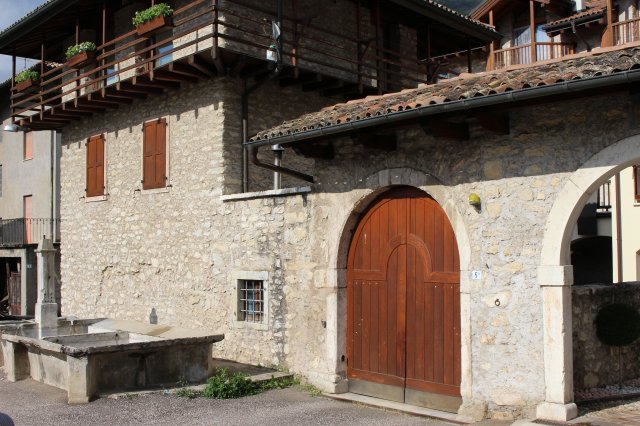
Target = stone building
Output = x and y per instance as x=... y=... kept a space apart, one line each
x=411 y=245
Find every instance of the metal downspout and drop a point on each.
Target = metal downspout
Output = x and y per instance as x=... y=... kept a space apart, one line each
x=246 y=92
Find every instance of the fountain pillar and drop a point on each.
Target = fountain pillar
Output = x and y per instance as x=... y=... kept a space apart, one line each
x=46 y=306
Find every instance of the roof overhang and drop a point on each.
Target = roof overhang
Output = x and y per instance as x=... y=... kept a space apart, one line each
x=454 y=20
x=506 y=99
x=10 y=37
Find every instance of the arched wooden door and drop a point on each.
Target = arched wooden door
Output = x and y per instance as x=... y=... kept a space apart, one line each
x=403 y=303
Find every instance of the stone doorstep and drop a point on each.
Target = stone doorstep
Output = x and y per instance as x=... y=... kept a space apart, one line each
x=414 y=410
x=198 y=388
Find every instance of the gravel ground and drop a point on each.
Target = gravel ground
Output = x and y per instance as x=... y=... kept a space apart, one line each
x=31 y=403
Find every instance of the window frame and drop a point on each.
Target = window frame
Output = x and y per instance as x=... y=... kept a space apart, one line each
x=27 y=141
x=237 y=279
x=104 y=195
x=167 y=153
x=636 y=183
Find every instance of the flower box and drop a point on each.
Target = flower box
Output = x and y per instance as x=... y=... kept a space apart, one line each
x=81 y=59
x=26 y=85
x=154 y=26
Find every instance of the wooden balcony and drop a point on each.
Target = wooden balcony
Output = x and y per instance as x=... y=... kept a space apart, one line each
x=213 y=38
x=522 y=55
x=625 y=32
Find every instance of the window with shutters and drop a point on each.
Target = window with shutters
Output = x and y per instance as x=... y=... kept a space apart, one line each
x=95 y=175
x=154 y=154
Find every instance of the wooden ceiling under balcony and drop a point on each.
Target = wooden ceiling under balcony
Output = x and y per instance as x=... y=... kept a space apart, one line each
x=129 y=67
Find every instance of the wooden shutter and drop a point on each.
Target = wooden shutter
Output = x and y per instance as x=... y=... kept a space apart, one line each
x=154 y=154
x=95 y=166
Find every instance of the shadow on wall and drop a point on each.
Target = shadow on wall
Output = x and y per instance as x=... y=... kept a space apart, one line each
x=592 y=260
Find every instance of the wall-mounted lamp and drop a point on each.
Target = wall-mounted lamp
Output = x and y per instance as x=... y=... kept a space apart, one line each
x=14 y=128
x=474 y=200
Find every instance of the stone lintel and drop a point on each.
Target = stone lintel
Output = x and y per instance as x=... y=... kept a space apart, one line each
x=556 y=412
x=555 y=276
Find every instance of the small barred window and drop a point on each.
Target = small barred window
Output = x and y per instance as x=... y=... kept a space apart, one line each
x=251 y=300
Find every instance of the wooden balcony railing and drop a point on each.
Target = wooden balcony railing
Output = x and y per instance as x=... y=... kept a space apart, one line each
x=129 y=66
x=625 y=32
x=522 y=55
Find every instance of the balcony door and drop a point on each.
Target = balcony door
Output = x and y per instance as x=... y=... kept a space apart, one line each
x=27 y=209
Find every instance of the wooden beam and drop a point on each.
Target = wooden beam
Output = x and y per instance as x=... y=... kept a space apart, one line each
x=323 y=151
x=130 y=88
x=93 y=97
x=104 y=104
x=113 y=93
x=180 y=68
x=306 y=78
x=164 y=75
x=145 y=82
x=217 y=60
x=384 y=142
x=439 y=127
x=238 y=66
x=200 y=65
x=532 y=23
x=496 y=123
x=331 y=83
x=87 y=108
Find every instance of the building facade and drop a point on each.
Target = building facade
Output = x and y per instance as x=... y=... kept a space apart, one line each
x=435 y=221
x=29 y=207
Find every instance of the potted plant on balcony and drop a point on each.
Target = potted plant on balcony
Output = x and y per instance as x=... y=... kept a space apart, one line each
x=153 y=19
x=26 y=80
x=80 y=54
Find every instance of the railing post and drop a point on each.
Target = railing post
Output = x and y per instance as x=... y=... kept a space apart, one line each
x=532 y=13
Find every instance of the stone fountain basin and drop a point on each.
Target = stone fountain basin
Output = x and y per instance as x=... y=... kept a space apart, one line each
x=92 y=357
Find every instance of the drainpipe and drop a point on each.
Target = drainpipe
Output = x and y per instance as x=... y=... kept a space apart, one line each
x=245 y=101
x=277 y=161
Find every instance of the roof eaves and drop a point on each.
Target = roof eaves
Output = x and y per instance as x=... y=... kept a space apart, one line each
x=40 y=14
x=452 y=18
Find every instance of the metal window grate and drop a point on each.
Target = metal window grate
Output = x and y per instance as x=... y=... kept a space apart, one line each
x=251 y=300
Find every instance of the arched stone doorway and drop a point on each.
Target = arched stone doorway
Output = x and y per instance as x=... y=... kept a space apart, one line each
x=403 y=302
x=555 y=274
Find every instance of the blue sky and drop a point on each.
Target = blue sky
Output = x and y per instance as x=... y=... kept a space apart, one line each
x=13 y=10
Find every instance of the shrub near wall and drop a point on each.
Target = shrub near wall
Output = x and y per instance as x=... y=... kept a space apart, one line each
x=597 y=364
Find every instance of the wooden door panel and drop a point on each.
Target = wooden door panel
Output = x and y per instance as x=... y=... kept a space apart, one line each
x=403 y=296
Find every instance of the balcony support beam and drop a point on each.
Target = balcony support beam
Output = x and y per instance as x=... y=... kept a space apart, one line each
x=200 y=65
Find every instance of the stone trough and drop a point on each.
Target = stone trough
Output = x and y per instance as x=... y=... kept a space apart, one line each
x=92 y=357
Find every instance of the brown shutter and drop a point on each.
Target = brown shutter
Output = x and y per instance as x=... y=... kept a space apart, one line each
x=95 y=166
x=154 y=154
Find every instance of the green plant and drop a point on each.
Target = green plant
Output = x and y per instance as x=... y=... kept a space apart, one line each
x=26 y=75
x=278 y=383
x=618 y=324
x=227 y=386
x=188 y=393
x=310 y=389
x=85 y=46
x=160 y=9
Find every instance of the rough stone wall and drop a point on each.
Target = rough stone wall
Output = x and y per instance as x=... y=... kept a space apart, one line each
x=594 y=363
x=178 y=251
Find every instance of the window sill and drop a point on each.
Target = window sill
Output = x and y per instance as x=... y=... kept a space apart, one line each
x=96 y=198
x=259 y=326
x=155 y=190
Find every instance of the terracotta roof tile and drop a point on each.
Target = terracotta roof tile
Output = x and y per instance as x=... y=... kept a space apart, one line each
x=593 y=9
x=575 y=68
